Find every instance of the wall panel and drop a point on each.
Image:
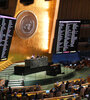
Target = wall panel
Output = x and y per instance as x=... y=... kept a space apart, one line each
x=74 y=9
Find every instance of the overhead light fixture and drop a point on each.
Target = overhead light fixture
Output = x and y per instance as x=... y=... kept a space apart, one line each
x=47 y=0
x=27 y=2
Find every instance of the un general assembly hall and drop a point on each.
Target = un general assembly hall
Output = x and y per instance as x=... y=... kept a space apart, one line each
x=44 y=49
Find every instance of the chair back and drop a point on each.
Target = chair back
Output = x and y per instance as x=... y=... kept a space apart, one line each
x=59 y=93
x=50 y=95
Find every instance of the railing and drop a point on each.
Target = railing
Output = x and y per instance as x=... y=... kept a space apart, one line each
x=5 y=64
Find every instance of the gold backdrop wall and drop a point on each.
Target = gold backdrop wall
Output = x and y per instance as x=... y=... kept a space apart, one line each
x=38 y=44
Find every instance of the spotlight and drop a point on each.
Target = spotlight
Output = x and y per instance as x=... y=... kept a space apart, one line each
x=27 y=2
x=47 y=0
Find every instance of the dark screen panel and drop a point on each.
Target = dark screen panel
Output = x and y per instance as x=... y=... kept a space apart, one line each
x=74 y=37
x=60 y=37
x=27 y=2
x=67 y=36
x=6 y=32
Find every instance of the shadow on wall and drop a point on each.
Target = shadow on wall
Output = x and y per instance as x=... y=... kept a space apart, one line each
x=8 y=7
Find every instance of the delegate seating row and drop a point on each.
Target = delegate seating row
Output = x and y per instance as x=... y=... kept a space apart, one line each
x=55 y=93
x=74 y=82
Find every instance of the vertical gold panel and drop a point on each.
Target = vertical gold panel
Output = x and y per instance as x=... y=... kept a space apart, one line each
x=54 y=26
x=38 y=44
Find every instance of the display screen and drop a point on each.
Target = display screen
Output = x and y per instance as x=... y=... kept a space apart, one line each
x=6 y=32
x=47 y=91
x=67 y=36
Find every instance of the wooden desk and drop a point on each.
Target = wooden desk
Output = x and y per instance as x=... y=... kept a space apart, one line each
x=54 y=69
x=77 y=86
x=34 y=93
x=57 y=64
x=22 y=87
x=30 y=93
x=61 y=97
x=59 y=83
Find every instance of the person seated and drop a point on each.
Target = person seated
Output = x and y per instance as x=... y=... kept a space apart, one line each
x=40 y=96
x=50 y=95
x=84 y=81
x=10 y=90
x=31 y=89
x=79 y=89
x=14 y=96
x=72 y=82
x=80 y=82
x=82 y=91
x=24 y=93
x=70 y=87
x=87 y=90
x=77 y=82
x=78 y=98
x=71 y=65
x=55 y=90
x=37 y=56
x=66 y=86
x=52 y=90
x=38 y=87
x=58 y=93
x=88 y=96
x=32 y=57
x=63 y=87
x=69 y=99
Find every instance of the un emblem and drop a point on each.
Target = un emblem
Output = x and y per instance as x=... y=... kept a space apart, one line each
x=26 y=24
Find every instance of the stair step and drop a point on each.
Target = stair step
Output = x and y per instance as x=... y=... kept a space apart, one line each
x=15 y=82
x=16 y=86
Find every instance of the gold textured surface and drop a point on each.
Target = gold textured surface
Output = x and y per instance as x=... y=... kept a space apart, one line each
x=38 y=44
